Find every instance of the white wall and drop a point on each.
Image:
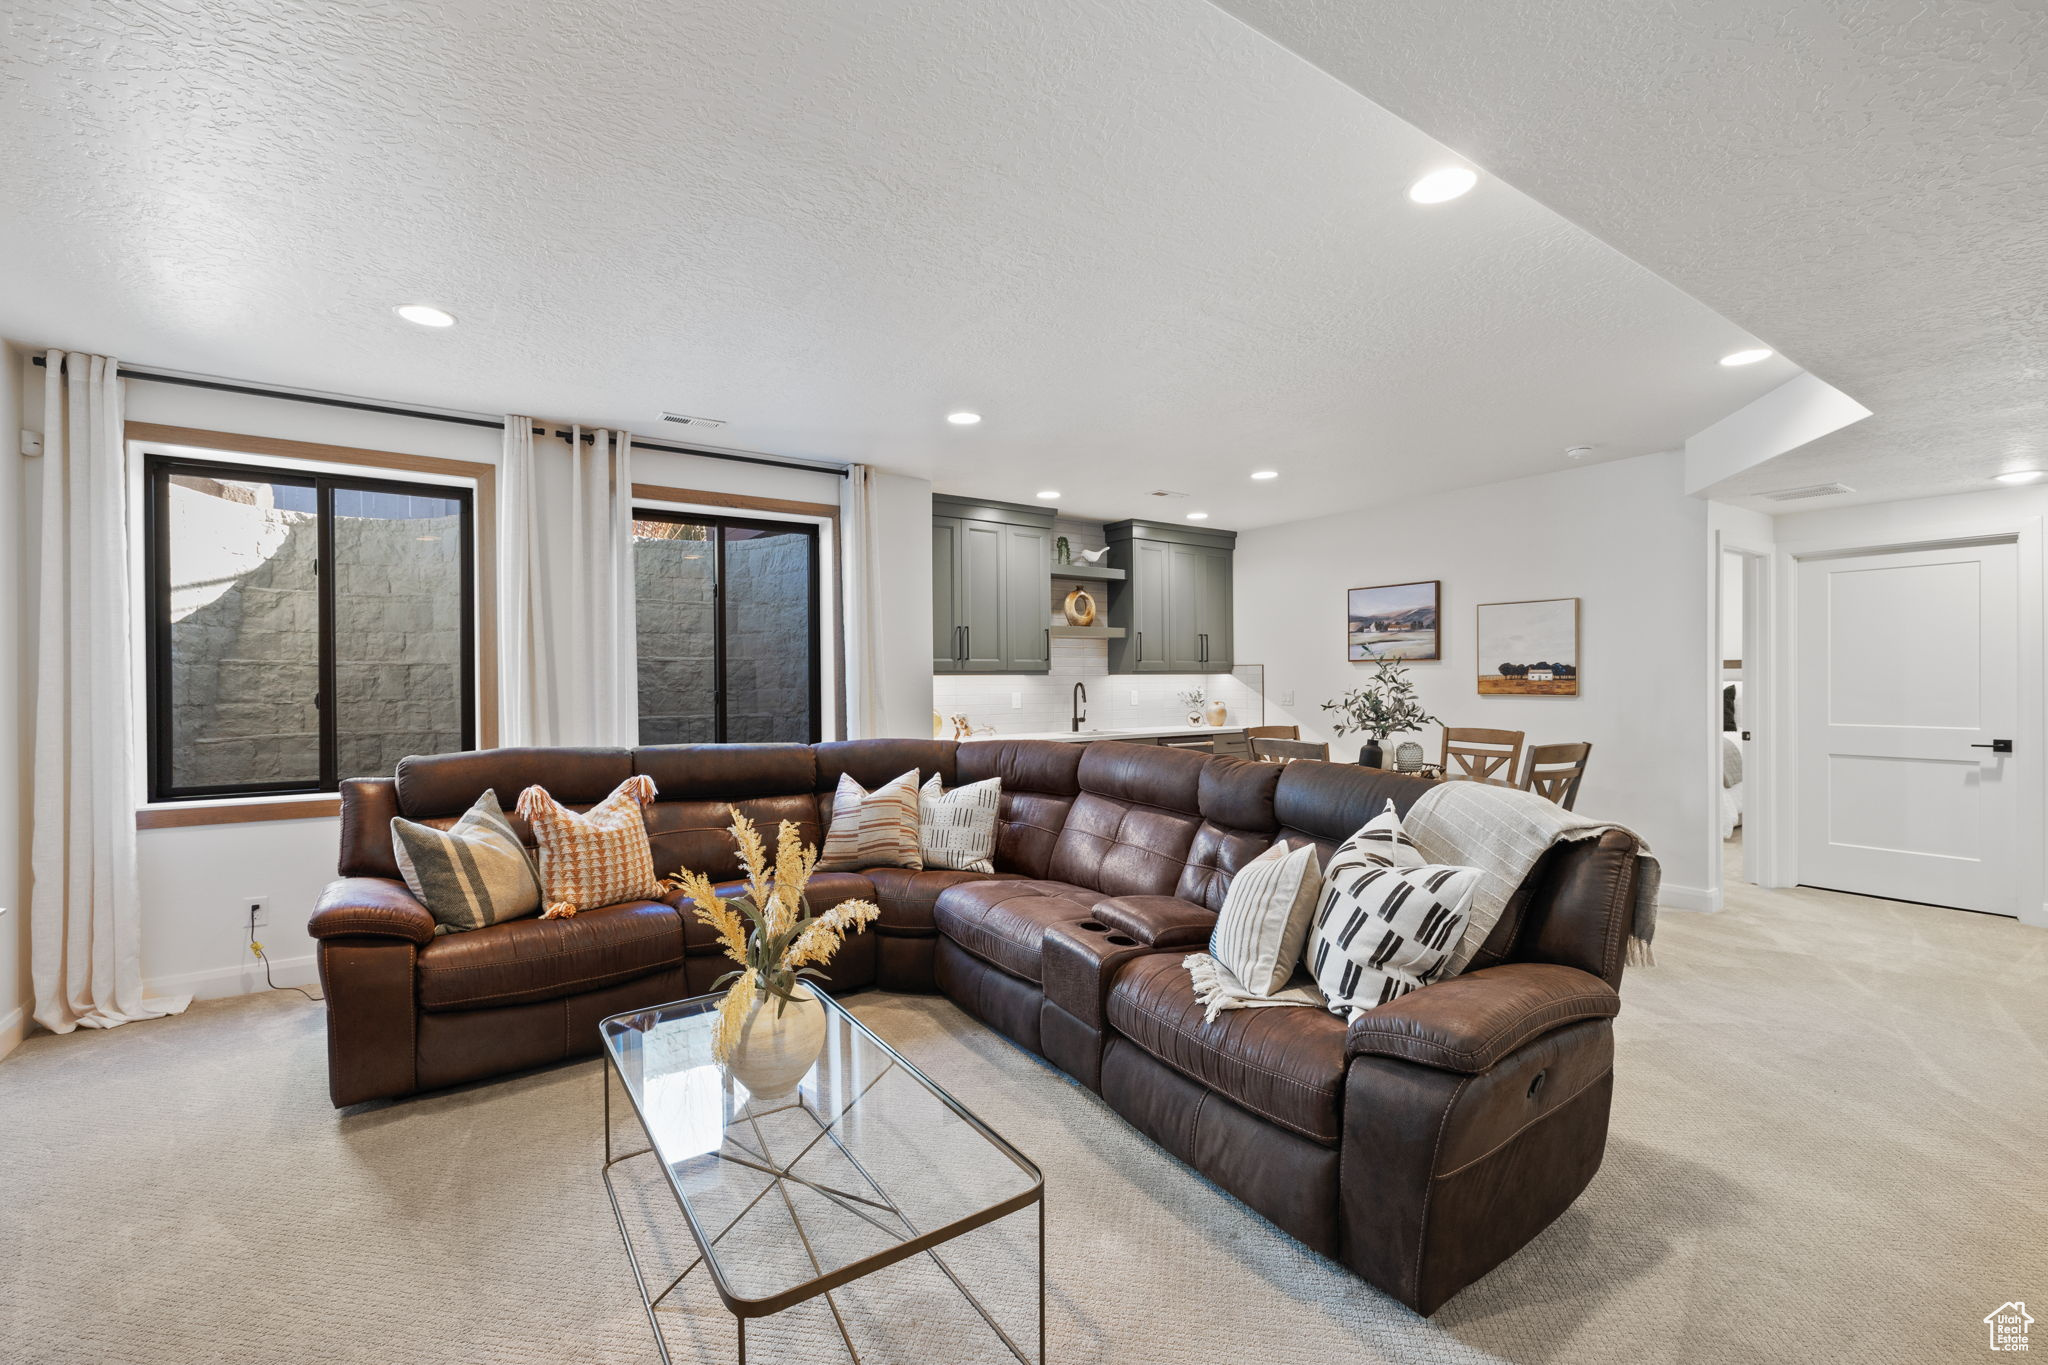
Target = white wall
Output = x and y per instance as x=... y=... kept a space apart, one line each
x=903 y=527
x=196 y=880
x=14 y=988
x=1623 y=537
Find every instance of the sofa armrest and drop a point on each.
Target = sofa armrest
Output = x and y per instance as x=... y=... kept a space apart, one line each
x=1469 y=1022
x=1158 y=921
x=375 y=906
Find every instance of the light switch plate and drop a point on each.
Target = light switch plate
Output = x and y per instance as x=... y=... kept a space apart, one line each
x=1016 y=701
x=1287 y=699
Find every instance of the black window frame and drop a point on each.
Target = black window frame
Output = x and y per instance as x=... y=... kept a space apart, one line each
x=718 y=522
x=158 y=471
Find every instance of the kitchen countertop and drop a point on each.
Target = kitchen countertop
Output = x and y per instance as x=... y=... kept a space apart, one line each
x=1142 y=732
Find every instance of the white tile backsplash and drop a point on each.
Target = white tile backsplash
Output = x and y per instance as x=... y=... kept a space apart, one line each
x=985 y=698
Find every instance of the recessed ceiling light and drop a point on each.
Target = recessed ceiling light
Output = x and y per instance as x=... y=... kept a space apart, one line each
x=1049 y=493
x=1266 y=474
x=963 y=419
x=1198 y=516
x=1441 y=186
x=424 y=315
x=2020 y=475
x=1747 y=357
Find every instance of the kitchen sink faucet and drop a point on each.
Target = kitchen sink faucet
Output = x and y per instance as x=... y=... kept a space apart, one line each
x=1080 y=696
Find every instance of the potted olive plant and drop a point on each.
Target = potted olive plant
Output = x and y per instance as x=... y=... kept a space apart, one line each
x=1386 y=705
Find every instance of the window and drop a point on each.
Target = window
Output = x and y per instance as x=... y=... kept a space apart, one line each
x=302 y=627
x=726 y=615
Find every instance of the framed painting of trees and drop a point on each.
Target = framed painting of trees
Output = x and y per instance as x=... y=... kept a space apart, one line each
x=1529 y=649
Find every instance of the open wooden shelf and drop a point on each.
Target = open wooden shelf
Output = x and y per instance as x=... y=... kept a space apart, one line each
x=1086 y=632
x=1088 y=573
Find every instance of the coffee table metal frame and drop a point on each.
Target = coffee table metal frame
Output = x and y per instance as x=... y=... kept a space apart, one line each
x=877 y=1210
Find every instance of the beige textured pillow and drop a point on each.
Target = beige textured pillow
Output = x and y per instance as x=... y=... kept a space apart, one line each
x=598 y=858
x=873 y=828
x=1265 y=917
x=469 y=875
x=957 y=829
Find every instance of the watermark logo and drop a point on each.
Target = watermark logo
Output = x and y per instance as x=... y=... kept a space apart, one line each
x=2008 y=1325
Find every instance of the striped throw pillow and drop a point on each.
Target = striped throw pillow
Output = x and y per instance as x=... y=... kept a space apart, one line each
x=1381 y=932
x=1265 y=916
x=600 y=857
x=957 y=828
x=872 y=828
x=473 y=873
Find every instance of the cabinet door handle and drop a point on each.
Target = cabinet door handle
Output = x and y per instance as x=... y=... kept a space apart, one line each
x=966 y=642
x=1141 y=646
x=1205 y=647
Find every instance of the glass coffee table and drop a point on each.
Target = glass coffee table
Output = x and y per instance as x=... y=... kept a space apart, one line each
x=867 y=1165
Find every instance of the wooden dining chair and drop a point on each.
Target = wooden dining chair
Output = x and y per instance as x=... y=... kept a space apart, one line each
x=1555 y=770
x=1272 y=732
x=1287 y=750
x=1475 y=755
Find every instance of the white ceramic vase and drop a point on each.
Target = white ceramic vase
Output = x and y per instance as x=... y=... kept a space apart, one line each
x=778 y=1044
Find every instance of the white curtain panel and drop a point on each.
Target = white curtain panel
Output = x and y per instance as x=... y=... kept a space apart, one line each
x=567 y=671
x=521 y=666
x=85 y=907
x=863 y=582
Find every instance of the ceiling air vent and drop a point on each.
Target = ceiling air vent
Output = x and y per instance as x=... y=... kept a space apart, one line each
x=1812 y=490
x=685 y=420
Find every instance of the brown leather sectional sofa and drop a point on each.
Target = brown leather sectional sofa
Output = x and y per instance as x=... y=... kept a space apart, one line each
x=1421 y=1145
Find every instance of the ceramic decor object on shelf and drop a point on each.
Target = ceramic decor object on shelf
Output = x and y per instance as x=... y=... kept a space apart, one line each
x=1079 y=608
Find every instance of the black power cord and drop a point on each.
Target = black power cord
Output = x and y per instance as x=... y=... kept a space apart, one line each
x=257 y=948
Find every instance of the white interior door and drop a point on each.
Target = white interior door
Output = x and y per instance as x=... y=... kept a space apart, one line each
x=1908 y=675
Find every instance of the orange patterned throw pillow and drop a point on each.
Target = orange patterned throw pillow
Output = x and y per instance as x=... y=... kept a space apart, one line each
x=873 y=828
x=597 y=858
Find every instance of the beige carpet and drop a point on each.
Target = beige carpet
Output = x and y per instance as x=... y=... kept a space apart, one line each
x=1830 y=1143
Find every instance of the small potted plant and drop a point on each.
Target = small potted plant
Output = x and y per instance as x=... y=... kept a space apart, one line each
x=1194 y=699
x=774 y=936
x=1386 y=705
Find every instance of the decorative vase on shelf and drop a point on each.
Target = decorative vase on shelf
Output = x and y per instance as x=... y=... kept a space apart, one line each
x=1218 y=713
x=1194 y=715
x=1079 y=608
x=778 y=1044
x=1370 y=756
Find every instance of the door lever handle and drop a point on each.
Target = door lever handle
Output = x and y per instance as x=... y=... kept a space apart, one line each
x=1996 y=746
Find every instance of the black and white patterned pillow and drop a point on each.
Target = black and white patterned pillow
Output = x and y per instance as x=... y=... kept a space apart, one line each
x=1381 y=932
x=957 y=828
x=1380 y=841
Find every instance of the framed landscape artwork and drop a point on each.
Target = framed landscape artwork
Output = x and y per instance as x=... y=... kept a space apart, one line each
x=1394 y=621
x=1529 y=649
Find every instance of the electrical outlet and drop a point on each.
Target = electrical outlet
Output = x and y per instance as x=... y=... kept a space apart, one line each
x=1016 y=701
x=1134 y=696
x=254 y=911
x=1287 y=699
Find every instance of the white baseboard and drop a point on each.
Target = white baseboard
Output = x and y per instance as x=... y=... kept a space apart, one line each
x=220 y=982
x=1671 y=897
x=13 y=1028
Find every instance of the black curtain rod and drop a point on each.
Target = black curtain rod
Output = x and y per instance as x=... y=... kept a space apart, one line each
x=222 y=386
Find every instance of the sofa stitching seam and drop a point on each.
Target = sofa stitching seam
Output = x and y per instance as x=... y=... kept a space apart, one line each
x=1543 y=1117
x=1429 y=1189
x=1528 y=1017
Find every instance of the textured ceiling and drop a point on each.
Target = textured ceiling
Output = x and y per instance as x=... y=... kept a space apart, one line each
x=1862 y=183
x=1151 y=246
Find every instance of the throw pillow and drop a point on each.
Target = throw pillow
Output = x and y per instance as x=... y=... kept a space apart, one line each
x=600 y=857
x=1380 y=840
x=872 y=828
x=957 y=828
x=1381 y=932
x=1265 y=917
x=473 y=873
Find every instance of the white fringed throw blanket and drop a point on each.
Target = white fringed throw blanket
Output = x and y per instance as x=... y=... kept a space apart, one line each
x=1503 y=832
